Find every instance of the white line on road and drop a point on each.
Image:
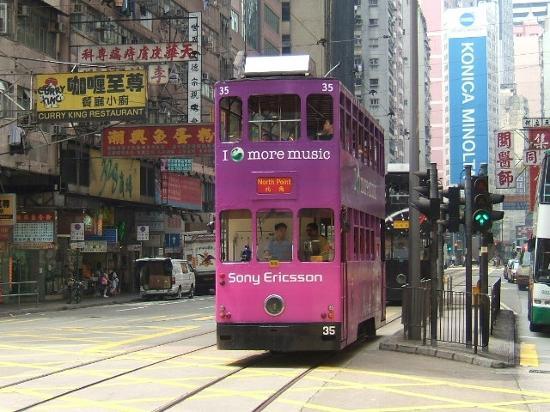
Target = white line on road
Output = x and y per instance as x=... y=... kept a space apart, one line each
x=124 y=310
x=207 y=307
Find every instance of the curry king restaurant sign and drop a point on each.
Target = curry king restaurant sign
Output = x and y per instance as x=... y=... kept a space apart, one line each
x=159 y=141
x=91 y=96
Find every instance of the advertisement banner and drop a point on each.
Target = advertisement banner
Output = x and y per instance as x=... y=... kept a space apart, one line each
x=139 y=53
x=89 y=96
x=505 y=175
x=468 y=104
x=181 y=191
x=159 y=141
x=8 y=209
x=114 y=178
x=34 y=230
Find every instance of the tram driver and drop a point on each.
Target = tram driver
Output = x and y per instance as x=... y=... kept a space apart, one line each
x=280 y=248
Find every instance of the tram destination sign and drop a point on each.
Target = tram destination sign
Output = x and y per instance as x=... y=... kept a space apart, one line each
x=159 y=141
x=274 y=185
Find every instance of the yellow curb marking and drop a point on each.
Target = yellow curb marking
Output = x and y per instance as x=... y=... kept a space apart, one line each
x=528 y=355
x=205 y=318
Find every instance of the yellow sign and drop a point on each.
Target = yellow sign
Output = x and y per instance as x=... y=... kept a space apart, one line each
x=400 y=224
x=8 y=209
x=91 y=96
x=114 y=178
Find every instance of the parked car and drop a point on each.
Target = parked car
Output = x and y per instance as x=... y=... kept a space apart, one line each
x=160 y=277
x=524 y=271
x=513 y=271
x=507 y=267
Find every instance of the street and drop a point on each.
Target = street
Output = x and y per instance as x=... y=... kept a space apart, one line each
x=161 y=355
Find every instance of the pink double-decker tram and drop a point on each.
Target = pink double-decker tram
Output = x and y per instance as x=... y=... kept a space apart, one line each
x=299 y=211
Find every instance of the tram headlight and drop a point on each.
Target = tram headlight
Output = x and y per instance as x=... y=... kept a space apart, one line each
x=401 y=279
x=274 y=305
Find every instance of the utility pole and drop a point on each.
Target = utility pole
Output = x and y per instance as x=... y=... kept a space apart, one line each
x=434 y=194
x=468 y=250
x=414 y=215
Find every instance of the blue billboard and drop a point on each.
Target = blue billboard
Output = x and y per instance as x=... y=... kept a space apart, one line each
x=469 y=143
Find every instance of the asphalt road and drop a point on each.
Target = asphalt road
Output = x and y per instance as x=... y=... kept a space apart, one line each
x=147 y=356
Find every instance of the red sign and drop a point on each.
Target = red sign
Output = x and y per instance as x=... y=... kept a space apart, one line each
x=273 y=185
x=539 y=139
x=138 y=53
x=36 y=217
x=181 y=191
x=159 y=141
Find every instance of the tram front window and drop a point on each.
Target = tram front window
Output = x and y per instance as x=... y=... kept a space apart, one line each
x=274 y=235
x=397 y=245
x=316 y=235
x=236 y=235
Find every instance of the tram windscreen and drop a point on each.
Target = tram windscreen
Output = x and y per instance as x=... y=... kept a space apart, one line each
x=397 y=244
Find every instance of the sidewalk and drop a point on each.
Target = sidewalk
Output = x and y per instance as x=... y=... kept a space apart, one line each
x=57 y=303
x=501 y=352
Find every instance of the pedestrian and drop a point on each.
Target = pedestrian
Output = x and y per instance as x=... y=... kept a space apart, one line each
x=114 y=284
x=246 y=254
x=103 y=284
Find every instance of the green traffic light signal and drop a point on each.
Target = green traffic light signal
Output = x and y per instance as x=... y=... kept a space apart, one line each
x=482 y=218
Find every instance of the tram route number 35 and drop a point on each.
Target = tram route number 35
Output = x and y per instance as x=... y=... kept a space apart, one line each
x=329 y=330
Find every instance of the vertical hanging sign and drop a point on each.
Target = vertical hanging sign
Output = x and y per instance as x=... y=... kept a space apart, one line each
x=194 y=71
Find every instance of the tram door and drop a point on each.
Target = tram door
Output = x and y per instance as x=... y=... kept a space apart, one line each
x=344 y=267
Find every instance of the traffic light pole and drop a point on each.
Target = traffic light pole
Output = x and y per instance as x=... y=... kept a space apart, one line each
x=440 y=251
x=434 y=194
x=468 y=250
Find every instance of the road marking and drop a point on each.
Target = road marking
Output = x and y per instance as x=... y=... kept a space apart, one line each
x=205 y=318
x=125 y=310
x=207 y=307
x=528 y=355
x=111 y=345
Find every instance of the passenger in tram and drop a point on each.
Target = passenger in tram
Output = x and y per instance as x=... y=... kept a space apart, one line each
x=320 y=246
x=327 y=131
x=279 y=247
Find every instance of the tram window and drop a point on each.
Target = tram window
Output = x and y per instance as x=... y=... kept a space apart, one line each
x=231 y=119
x=316 y=235
x=274 y=235
x=274 y=117
x=320 y=119
x=545 y=185
x=542 y=260
x=236 y=234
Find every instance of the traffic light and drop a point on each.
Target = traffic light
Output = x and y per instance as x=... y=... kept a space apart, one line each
x=495 y=200
x=481 y=204
x=453 y=208
x=425 y=205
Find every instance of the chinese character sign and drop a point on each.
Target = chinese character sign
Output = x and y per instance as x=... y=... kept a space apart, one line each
x=194 y=72
x=505 y=176
x=181 y=191
x=114 y=178
x=158 y=74
x=91 y=96
x=159 y=141
x=139 y=53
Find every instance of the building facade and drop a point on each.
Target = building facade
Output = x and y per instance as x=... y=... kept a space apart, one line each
x=57 y=171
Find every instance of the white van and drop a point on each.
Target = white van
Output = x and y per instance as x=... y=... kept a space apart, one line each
x=165 y=277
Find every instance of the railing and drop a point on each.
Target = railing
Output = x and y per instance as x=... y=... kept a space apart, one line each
x=19 y=289
x=495 y=302
x=450 y=323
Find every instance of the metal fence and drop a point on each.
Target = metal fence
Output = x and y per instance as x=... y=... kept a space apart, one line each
x=447 y=321
x=9 y=290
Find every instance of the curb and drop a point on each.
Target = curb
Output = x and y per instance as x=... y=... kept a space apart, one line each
x=39 y=309
x=445 y=354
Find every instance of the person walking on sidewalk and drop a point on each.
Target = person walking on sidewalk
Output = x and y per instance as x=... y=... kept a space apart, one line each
x=103 y=284
x=114 y=283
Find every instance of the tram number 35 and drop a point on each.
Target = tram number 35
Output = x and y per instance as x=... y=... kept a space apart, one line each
x=329 y=330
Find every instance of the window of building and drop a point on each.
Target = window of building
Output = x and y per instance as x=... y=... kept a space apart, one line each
x=146 y=18
x=231 y=119
x=287 y=44
x=316 y=235
x=235 y=18
x=271 y=18
x=75 y=165
x=373 y=83
x=373 y=22
x=37 y=28
x=320 y=117
x=270 y=49
x=373 y=63
x=374 y=102
x=357 y=41
x=373 y=43
x=285 y=14
x=274 y=235
x=274 y=117
x=373 y=3
x=147 y=180
x=236 y=235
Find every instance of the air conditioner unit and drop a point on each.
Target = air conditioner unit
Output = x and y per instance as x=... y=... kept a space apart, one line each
x=78 y=8
x=205 y=76
x=99 y=25
x=3 y=18
x=23 y=11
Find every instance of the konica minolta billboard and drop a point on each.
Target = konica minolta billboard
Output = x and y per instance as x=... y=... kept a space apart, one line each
x=468 y=109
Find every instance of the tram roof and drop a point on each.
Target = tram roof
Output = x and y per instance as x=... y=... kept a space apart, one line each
x=287 y=65
x=397 y=168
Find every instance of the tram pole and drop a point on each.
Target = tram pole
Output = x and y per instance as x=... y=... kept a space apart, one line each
x=468 y=250
x=415 y=314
